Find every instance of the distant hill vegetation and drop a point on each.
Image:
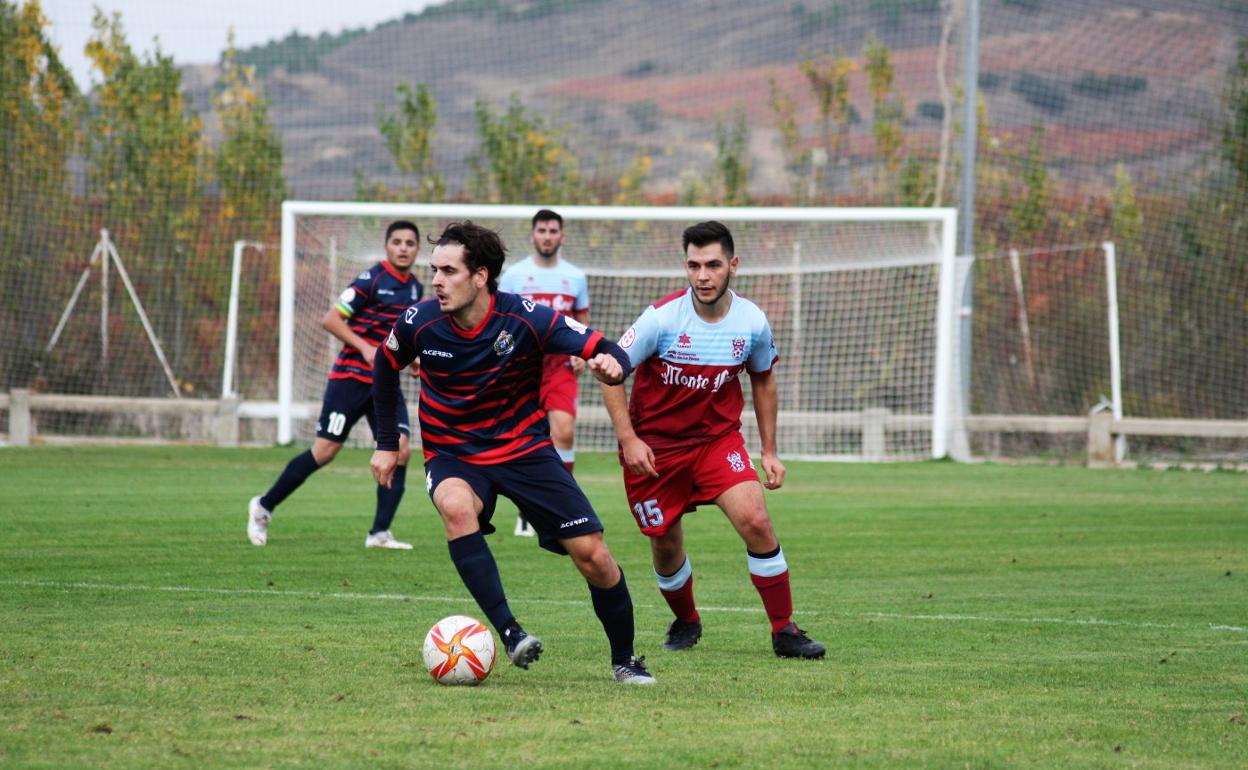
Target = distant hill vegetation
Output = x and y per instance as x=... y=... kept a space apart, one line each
x=302 y=53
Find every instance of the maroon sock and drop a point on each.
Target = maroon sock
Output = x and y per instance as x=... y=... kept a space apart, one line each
x=777 y=598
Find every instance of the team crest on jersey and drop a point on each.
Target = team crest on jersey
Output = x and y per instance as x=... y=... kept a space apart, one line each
x=735 y=462
x=575 y=325
x=410 y=315
x=738 y=348
x=392 y=342
x=629 y=338
x=504 y=344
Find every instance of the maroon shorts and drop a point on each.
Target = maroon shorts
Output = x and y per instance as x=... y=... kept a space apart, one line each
x=559 y=387
x=688 y=477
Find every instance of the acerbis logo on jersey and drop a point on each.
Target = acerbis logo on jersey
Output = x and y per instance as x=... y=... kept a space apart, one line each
x=364 y=276
x=410 y=314
x=504 y=344
x=437 y=353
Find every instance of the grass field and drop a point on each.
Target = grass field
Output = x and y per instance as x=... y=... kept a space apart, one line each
x=976 y=616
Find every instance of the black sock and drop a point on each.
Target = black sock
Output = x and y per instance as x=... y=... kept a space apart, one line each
x=388 y=500
x=614 y=608
x=296 y=472
x=477 y=569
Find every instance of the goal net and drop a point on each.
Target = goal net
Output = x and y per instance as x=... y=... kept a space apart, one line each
x=860 y=302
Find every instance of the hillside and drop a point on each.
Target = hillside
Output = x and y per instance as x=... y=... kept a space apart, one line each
x=1112 y=81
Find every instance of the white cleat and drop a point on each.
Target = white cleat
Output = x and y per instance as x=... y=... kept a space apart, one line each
x=524 y=528
x=384 y=539
x=258 y=518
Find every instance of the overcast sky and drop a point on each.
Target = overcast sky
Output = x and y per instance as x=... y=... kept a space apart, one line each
x=195 y=32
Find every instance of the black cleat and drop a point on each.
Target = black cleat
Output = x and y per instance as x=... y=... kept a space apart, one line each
x=792 y=642
x=682 y=635
x=521 y=648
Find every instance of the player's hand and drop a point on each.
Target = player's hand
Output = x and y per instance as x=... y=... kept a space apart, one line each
x=369 y=352
x=382 y=465
x=606 y=369
x=774 y=469
x=577 y=363
x=638 y=457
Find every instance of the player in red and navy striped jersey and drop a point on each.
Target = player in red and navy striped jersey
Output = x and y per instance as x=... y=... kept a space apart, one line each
x=680 y=439
x=363 y=316
x=485 y=434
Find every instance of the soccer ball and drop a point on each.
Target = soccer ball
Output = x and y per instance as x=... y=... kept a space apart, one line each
x=459 y=650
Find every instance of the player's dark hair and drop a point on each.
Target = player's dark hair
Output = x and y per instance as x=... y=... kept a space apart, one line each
x=705 y=233
x=482 y=248
x=546 y=215
x=402 y=224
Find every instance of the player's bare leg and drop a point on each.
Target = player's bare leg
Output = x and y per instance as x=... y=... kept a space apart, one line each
x=459 y=508
x=674 y=573
x=612 y=603
x=260 y=508
x=744 y=506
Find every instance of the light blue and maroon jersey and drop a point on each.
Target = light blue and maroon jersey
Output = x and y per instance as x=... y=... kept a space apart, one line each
x=479 y=388
x=562 y=286
x=371 y=304
x=685 y=386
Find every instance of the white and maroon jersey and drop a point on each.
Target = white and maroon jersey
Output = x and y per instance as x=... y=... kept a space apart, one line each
x=685 y=386
x=562 y=287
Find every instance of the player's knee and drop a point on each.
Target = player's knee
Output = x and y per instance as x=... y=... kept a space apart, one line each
x=756 y=527
x=324 y=451
x=597 y=564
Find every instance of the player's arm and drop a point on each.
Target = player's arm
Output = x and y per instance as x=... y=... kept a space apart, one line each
x=637 y=455
x=766 y=406
x=578 y=363
x=335 y=322
x=395 y=355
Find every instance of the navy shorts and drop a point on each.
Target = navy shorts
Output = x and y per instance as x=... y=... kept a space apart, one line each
x=346 y=401
x=538 y=483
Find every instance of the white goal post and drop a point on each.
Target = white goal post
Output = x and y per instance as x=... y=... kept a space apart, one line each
x=862 y=302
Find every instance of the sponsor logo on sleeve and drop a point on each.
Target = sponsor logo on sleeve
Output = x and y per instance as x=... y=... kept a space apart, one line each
x=347 y=296
x=629 y=338
x=575 y=325
x=392 y=342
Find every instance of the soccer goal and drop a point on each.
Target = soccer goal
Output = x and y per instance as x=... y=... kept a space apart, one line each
x=861 y=301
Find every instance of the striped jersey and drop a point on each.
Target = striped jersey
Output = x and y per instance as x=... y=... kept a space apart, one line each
x=479 y=388
x=685 y=386
x=562 y=287
x=371 y=304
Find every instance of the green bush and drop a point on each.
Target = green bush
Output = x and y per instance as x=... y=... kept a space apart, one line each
x=1043 y=93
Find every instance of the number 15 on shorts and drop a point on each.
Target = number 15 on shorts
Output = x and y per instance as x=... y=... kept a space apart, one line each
x=648 y=514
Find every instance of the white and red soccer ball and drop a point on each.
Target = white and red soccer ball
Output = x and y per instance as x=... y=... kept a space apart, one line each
x=459 y=650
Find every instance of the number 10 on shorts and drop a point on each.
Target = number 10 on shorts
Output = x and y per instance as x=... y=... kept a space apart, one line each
x=649 y=514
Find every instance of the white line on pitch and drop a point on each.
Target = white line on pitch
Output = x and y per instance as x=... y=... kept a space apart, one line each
x=316 y=594
x=1053 y=621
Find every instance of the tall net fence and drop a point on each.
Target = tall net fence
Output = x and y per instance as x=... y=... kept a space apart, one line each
x=1122 y=121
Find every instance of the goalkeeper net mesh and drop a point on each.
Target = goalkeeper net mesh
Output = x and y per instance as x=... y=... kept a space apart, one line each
x=853 y=303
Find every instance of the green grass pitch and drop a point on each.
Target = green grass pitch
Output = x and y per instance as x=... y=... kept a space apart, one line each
x=976 y=616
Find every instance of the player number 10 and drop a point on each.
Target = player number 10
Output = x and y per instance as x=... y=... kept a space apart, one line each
x=649 y=513
x=337 y=421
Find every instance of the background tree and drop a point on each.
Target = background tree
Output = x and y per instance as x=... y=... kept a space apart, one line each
x=249 y=159
x=888 y=114
x=522 y=160
x=147 y=164
x=828 y=78
x=796 y=157
x=39 y=105
x=408 y=134
x=731 y=177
